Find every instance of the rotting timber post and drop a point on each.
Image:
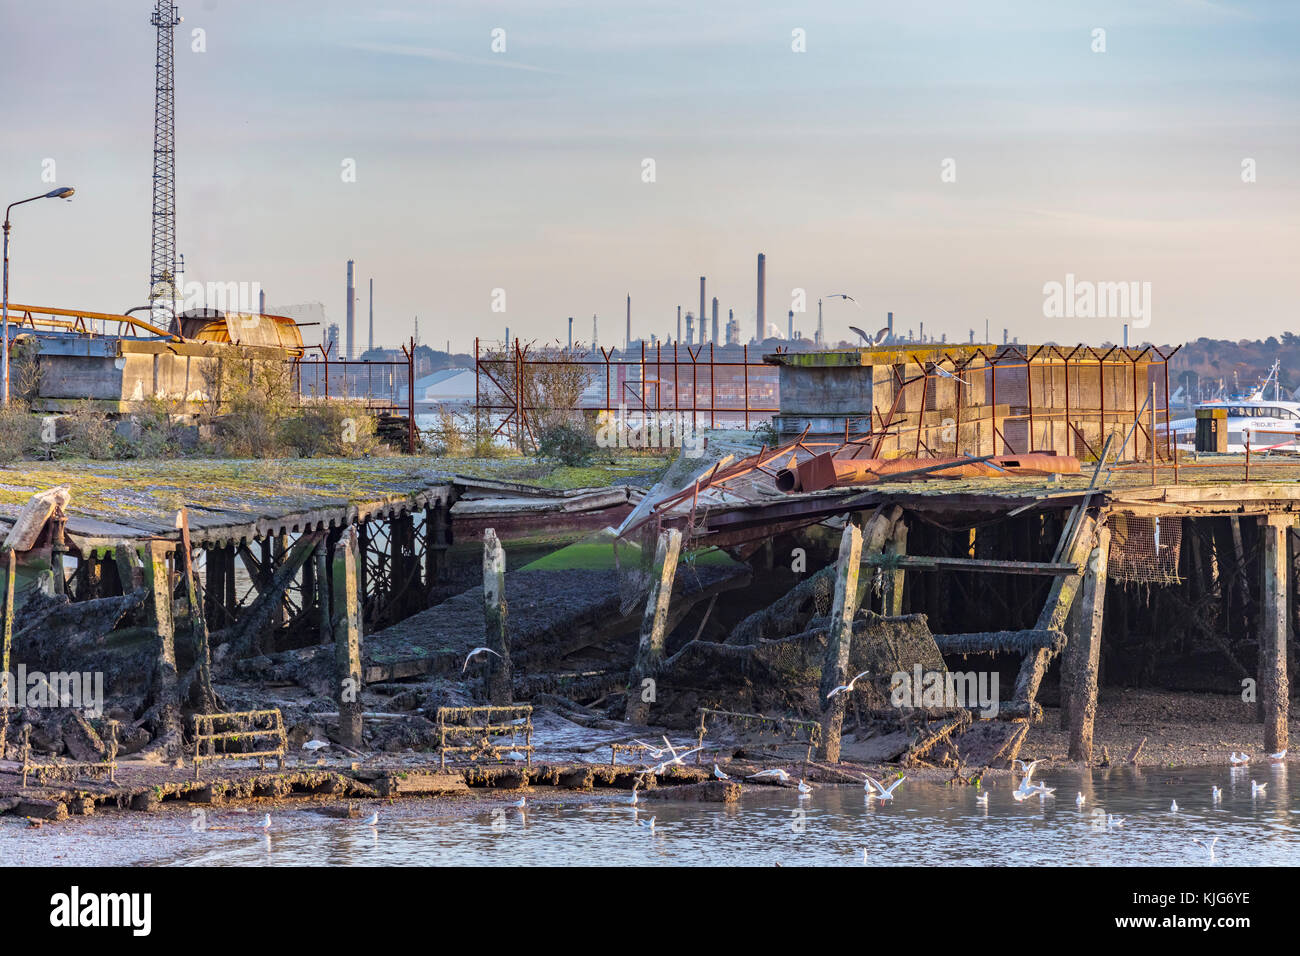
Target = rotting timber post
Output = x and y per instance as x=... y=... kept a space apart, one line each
x=347 y=638
x=1274 y=683
x=164 y=677
x=654 y=625
x=1083 y=652
x=6 y=644
x=499 y=673
x=835 y=666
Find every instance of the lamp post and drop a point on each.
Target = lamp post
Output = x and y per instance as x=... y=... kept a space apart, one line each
x=60 y=192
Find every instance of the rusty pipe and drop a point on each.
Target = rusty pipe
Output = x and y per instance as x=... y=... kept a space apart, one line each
x=826 y=471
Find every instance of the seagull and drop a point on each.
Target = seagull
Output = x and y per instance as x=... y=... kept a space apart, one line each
x=372 y=820
x=1238 y=760
x=1079 y=801
x=475 y=653
x=1278 y=757
x=1215 y=794
x=944 y=373
x=871 y=340
x=719 y=774
x=266 y=822
x=864 y=854
x=655 y=752
x=515 y=755
x=804 y=790
x=1257 y=789
x=842 y=295
x=844 y=688
x=1044 y=791
x=983 y=799
x=886 y=793
x=1208 y=847
x=1019 y=795
x=1114 y=821
x=648 y=824
x=632 y=800
x=1173 y=807
x=315 y=745
x=1028 y=768
x=1155 y=536
x=772 y=774
x=675 y=761
x=520 y=803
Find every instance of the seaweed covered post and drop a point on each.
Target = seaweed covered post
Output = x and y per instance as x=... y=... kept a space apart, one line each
x=1274 y=684
x=204 y=696
x=158 y=579
x=896 y=546
x=654 y=626
x=498 y=675
x=1083 y=651
x=346 y=627
x=835 y=666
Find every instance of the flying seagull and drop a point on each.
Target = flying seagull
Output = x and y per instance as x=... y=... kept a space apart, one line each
x=475 y=653
x=1208 y=847
x=871 y=340
x=842 y=295
x=844 y=688
x=772 y=774
x=885 y=793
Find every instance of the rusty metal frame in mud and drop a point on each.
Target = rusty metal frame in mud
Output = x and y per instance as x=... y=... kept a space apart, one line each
x=486 y=729
x=248 y=720
x=72 y=769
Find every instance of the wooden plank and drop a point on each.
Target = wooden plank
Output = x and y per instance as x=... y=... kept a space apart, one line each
x=937 y=562
x=650 y=647
x=835 y=664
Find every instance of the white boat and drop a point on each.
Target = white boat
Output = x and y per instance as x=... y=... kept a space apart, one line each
x=1256 y=421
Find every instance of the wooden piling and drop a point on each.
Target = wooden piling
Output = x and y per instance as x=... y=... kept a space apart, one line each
x=895 y=547
x=158 y=580
x=654 y=623
x=1083 y=651
x=6 y=645
x=1274 y=686
x=346 y=627
x=1053 y=616
x=498 y=674
x=206 y=697
x=835 y=665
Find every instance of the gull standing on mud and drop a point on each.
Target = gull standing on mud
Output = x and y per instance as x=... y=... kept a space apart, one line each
x=719 y=774
x=1277 y=757
x=266 y=822
x=1238 y=760
x=372 y=820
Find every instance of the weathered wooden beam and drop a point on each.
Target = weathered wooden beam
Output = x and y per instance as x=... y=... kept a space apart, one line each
x=347 y=638
x=6 y=644
x=835 y=665
x=158 y=579
x=1274 y=682
x=498 y=673
x=206 y=697
x=259 y=616
x=939 y=562
x=1001 y=642
x=1054 y=614
x=650 y=647
x=1079 y=686
x=895 y=551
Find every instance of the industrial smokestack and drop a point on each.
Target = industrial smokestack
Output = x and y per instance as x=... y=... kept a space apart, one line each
x=701 y=312
x=372 y=314
x=351 y=321
x=690 y=329
x=570 y=333
x=261 y=301
x=593 y=333
x=890 y=323
x=789 y=326
x=679 y=323
x=715 y=320
x=820 y=329
x=762 y=296
x=627 y=339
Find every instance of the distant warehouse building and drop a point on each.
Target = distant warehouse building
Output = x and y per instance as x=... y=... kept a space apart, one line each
x=449 y=386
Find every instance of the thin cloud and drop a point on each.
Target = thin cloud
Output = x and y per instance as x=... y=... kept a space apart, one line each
x=449 y=56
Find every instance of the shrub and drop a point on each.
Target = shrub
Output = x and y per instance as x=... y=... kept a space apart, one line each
x=330 y=429
x=91 y=432
x=567 y=443
x=19 y=431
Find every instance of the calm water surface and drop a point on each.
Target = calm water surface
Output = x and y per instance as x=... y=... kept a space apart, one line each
x=925 y=824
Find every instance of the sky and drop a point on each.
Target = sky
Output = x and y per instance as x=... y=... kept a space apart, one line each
x=943 y=161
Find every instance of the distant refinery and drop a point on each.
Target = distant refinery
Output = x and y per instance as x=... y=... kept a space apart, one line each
x=693 y=328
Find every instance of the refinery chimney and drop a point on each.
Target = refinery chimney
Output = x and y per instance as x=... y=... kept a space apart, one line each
x=762 y=289
x=570 y=333
x=789 y=335
x=715 y=320
x=372 y=315
x=627 y=339
x=593 y=333
x=352 y=318
x=679 y=323
x=701 y=312
x=889 y=316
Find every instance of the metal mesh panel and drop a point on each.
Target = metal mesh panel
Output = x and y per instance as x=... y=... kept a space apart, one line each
x=1145 y=550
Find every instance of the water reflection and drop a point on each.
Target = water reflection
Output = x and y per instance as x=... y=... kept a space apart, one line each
x=926 y=824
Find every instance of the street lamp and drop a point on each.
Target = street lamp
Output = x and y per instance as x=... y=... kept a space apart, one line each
x=59 y=192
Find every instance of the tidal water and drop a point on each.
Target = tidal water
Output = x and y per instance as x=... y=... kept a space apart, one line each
x=926 y=824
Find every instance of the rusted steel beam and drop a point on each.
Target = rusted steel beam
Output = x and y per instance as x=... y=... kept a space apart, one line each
x=939 y=562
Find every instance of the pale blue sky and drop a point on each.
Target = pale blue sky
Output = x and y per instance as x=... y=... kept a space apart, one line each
x=522 y=170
